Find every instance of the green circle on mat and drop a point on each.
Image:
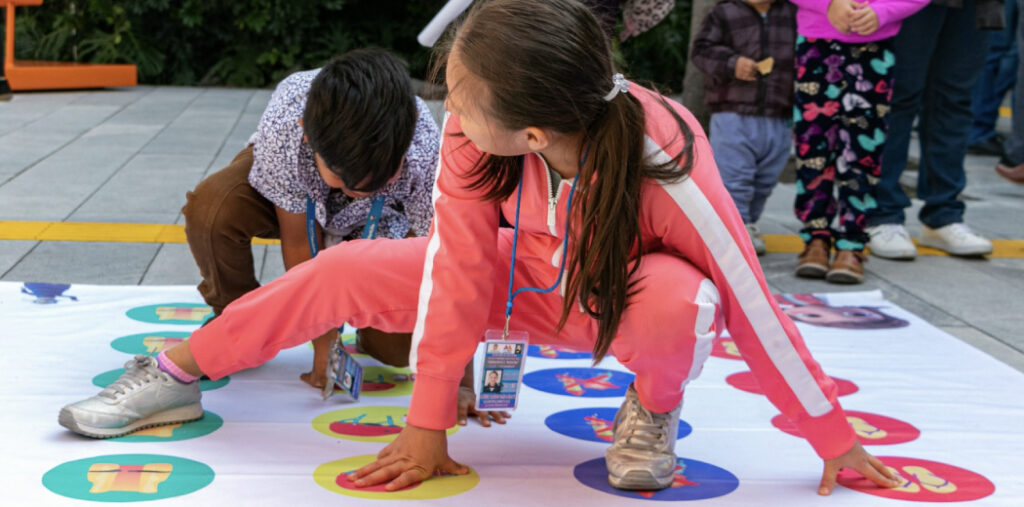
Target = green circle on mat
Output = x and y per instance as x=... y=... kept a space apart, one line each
x=172 y=313
x=108 y=377
x=149 y=344
x=128 y=477
x=386 y=381
x=173 y=432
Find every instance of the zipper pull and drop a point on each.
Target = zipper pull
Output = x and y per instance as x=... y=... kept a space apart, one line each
x=552 y=205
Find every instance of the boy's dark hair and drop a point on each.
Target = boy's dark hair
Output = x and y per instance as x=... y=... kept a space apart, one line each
x=360 y=117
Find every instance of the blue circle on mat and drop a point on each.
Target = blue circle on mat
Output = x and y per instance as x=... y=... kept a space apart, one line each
x=108 y=377
x=593 y=424
x=580 y=382
x=695 y=480
x=556 y=352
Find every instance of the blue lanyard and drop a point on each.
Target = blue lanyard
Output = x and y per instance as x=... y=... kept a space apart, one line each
x=515 y=240
x=369 y=230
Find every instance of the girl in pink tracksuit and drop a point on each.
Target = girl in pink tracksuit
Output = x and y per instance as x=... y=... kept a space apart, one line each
x=533 y=102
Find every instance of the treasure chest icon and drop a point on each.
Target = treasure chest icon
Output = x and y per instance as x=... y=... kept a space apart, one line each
x=158 y=344
x=145 y=479
x=193 y=313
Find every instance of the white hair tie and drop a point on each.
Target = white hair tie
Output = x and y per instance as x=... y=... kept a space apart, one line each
x=620 y=85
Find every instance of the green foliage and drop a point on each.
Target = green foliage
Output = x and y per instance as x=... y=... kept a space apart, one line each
x=255 y=43
x=660 y=54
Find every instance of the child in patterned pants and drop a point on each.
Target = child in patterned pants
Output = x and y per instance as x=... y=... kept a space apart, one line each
x=843 y=90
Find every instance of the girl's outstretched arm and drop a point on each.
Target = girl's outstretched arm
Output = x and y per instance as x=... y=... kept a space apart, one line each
x=414 y=456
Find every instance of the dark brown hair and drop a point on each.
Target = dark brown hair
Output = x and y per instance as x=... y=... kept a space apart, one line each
x=360 y=117
x=548 y=64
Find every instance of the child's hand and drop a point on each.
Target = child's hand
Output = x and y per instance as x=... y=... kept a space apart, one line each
x=317 y=377
x=864 y=21
x=414 y=456
x=467 y=407
x=857 y=459
x=840 y=13
x=746 y=69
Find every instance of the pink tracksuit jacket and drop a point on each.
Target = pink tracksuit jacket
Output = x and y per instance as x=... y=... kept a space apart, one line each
x=698 y=276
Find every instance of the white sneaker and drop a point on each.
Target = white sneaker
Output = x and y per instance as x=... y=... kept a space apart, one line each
x=756 y=239
x=642 y=455
x=142 y=397
x=891 y=241
x=957 y=239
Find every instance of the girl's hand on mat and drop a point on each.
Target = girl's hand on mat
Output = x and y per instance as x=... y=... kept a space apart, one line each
x=857 y=459
x=414 y=456
x=467 y=407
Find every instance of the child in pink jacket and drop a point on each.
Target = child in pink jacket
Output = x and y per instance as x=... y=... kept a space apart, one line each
x=618 y=208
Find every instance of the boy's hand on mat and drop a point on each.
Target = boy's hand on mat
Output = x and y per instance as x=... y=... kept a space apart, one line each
x=317 y=377
x=467 y=407
x=857 y=459
x=414 y=456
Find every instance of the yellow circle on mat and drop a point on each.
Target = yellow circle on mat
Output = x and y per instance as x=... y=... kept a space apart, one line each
x=326 y=476
x=365 y=424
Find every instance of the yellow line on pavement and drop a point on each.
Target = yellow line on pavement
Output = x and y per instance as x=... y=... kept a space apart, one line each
x=168 y=233
x=1005 y=112
x=99 y=232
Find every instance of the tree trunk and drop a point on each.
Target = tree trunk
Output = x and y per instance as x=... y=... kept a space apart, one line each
x=693 y=82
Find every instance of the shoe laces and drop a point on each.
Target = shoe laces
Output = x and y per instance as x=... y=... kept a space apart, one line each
x=137 y=372
x=645 y=427
x=888 y=232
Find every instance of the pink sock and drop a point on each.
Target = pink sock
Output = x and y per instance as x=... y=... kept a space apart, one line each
x=167 y=366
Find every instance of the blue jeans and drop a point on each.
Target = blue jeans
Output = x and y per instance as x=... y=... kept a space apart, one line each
x=937 y=68
x=996 y=79
x=1015 y=143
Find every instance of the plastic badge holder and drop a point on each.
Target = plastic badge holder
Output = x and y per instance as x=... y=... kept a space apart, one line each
x=344 y=374
x=499 y=370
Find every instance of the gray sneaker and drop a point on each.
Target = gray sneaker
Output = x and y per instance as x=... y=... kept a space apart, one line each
x=142 y=397
x=642 y=455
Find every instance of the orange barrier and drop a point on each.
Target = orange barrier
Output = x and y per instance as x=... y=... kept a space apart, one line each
x=40 y=75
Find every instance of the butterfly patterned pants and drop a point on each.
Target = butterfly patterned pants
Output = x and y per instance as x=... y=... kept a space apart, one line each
x=843 y=93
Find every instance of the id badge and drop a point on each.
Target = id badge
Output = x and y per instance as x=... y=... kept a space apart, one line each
x=501 y=370
x=344 y=374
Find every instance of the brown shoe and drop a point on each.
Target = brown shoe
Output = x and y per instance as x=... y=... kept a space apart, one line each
x=814 y=261
x=848 y=267
x=1014 y=173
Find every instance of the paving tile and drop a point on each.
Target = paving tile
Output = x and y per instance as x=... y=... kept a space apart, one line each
x=174 y=265
x=150 y=188
x=273 y=264
x=75 y=262
x=11 y=252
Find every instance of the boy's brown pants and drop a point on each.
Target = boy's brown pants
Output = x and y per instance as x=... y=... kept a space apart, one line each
x=222 y=215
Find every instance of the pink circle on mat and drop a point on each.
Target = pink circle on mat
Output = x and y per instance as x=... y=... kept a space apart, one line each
x=725 y=348
x=872 y=429
x=746 y=381
x=923 y=481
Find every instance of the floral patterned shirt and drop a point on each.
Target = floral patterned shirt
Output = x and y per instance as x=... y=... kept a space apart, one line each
x=284 y=170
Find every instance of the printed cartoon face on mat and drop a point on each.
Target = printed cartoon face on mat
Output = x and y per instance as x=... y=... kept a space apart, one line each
x=136 y=478
x=810 y=309
x=47 y=293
